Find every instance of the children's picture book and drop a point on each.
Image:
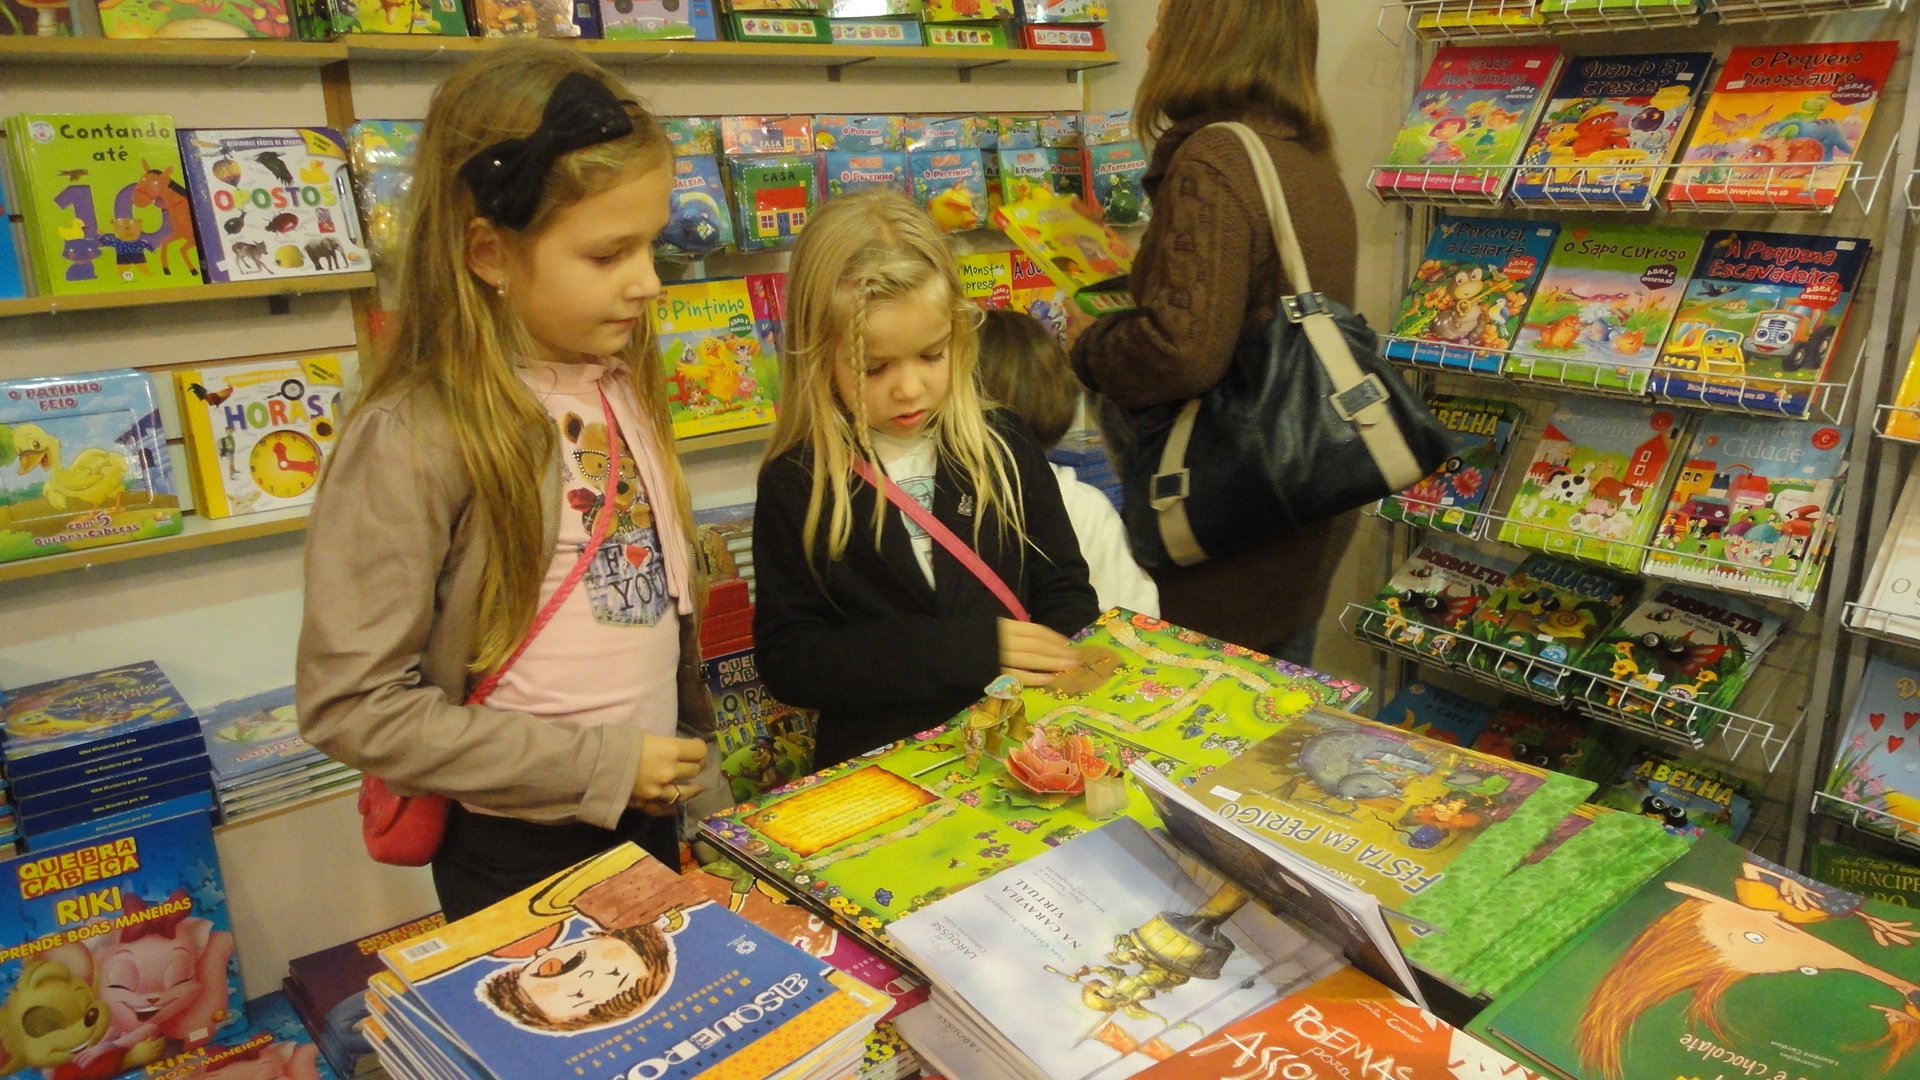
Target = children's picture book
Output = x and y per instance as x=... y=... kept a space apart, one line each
x=1783 y=125
x=781 y=29
x=1537 y=734
x=701 y=221
x=1752 y=506
x=144 y=19
x=1903 y=416
x=1436 y=713
x=1482 y=431
x=19 y=18
x=1677 y=650
x=83 y=463
x=1426 y=604
x=13 y=272
x=1722 y=957
x=1608 y=114
x=1172 y=949
x=1474 y=107
x=1758 y=325
x=105 y=200
x=527 y=984
x=952 y=185
x=1542 y=620
x=1063 y=11
x=120 y=952
x=258 y=431
x=722 y=373
x=1036 y=293
x=273 y=1043
x=859 y=134
x=255 y=736
x=1687 y=799
x=764 y=744
x=1473 y=284
x=1597 y=476
x=382 y=155
x=1604 y=304
x=970 y=10
x=749 y=136
x=955 y=809
x=655 y=20
x=773 y=198
x=1384 y=809
x=1888 y=602
x=92 y=717
x=272 y=202
x=846 y=172
x=1078 y=253
x=1115 y=177
x=926 y=133
x=1871 y=774
x=1872 y=876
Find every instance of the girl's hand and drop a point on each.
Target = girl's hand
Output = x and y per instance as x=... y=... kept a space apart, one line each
x=667 y=768
x=1033 y=653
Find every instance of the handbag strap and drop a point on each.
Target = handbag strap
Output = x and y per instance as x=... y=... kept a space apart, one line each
x=602 y=526
x=955 y=546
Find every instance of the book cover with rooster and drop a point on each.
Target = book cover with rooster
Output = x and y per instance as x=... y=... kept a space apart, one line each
x=258 y=431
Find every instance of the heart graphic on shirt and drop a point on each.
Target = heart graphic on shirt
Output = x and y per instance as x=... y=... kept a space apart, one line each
x=1876 y=719
x=638 y=554
x=1895 y=742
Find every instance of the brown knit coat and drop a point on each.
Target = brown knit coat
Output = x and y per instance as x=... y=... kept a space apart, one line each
x=1207 y=276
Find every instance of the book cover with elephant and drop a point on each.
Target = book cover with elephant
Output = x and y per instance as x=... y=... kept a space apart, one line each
x=105 y=201
x=1783 y=126
x=1597 y=480
x=1473 y=284
x=722 y=372
x=1604 y=304
x=1607 y=115
x=1725 y=964
x=83 y=463
x=119 y=953
x=273 y=202
x=1760 y=321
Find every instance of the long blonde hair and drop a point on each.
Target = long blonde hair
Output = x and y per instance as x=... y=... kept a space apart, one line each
x=1236 y=56
x=863 y=250
x=452 y=336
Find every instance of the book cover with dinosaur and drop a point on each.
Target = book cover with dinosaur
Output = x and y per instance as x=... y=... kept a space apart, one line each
x=1876 y=761
x=1604 y=305
x=722 y=373
x=1783 y=124
x=1473 y=284
x=1724 y=964
x=1683 y=646
x=83 y=464
x=272 y=202
x=1547 y=610
x=1760 y=320
x=868 y=841
x=105 y=201
x=1686 y=798
x=119 y=953
x=1752 y=506
x=1608 y=114
x=1598 y=476
x=1425 y=605
x=258 y=431
x=1482 y=432
x=1474 y=107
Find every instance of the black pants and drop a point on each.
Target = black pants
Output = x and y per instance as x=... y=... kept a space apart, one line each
x=484 y=859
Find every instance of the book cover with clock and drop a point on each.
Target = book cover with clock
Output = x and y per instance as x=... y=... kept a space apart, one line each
x=258 y=430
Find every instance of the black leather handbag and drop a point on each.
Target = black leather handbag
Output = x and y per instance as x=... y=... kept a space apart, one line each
x=1309 y=423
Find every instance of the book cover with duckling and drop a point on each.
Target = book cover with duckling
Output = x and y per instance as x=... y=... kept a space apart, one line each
x=105 y=201
x=1019 y=773
x=83 y=464
x=258 y=431
x=1724 y=964
x=1596 y=483
x=722 y=373
x=1604 y=304
x=1784 y=125
x=273 y=202
x=1760 y=321
x=118 y=953
x=1607 y=115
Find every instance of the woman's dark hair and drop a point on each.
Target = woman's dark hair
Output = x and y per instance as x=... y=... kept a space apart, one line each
x=1023 y=367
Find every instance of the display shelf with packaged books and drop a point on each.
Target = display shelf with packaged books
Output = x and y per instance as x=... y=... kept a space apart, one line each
x=199 y=532
x=418 y=48
x=1735 y=733
x=1494 y=20
x=1777 y=187
x=169 y=52
x=1892 y=626
x=232 y=290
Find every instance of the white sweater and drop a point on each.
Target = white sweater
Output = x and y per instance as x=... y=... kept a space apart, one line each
x=1103 y=543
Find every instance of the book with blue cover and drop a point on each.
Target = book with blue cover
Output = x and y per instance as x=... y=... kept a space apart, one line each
x=87 y=717
x=114 y=803
x=195 y=802
x=96 y=789
x=255 y=736
x=13 y=273
x=1437 y=713
x=1607 y=115
x=96 y=769
x=1473 y=284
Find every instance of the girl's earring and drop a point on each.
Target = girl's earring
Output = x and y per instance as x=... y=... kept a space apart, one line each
x=501 y=288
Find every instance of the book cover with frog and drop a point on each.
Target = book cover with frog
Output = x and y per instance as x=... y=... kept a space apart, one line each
x=1548 y=610
x=722 y=374
x=1594 y=487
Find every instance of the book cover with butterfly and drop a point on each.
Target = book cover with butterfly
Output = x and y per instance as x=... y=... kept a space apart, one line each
x=258 y=431
x=1425 y=606
x=1608 y=114
x=1783 y=125
x=722 y=374
x=1473 y=284
x=272 y=202
x=1676 y=648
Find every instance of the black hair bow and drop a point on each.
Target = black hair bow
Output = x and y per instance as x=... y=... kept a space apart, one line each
x=508 y=177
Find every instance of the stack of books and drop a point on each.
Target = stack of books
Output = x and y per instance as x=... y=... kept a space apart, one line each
x=328 y=991
x=271 y=1046
x=260 y=762
x=621 y=963
x=91 y=753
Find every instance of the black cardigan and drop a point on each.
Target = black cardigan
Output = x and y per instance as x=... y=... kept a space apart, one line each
x=865 y=641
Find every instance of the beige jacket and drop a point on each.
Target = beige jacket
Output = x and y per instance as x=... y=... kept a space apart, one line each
x=382 y=675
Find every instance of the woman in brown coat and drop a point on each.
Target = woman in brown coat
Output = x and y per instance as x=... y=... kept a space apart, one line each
x=1208 y=275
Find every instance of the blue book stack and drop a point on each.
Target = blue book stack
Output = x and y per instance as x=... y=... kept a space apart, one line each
x=81 y=753
x=1086 y=455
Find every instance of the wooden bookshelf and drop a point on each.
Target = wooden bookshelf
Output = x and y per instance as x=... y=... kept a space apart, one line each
x=181 y=52
x=199 y=532
x=234 y=290
x=421 y=47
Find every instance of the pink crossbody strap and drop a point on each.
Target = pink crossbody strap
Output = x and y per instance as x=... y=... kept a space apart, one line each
x=602 y=525
x=955 y=546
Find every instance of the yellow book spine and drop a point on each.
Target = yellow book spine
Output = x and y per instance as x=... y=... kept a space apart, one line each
x=1906 y=424
x=203 y=456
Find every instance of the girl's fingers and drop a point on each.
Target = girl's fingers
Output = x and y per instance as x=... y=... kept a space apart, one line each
x=1029 y=677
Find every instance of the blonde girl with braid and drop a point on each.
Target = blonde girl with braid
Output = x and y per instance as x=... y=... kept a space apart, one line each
x=862 y=613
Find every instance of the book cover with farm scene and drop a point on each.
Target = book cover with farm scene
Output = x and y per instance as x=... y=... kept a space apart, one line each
x=1603 y=308
x=1594 y=487
x=722 y=373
